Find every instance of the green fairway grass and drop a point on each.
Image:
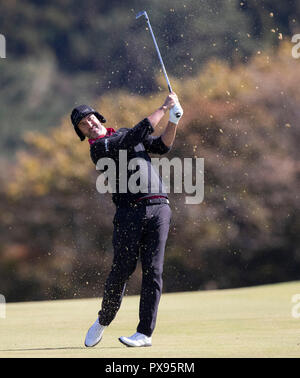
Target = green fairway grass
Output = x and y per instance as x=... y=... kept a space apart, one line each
x=247 y=322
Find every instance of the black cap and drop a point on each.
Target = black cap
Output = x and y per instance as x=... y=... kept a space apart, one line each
x=80 y=112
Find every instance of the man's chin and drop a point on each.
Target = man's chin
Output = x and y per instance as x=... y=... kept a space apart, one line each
x=95 y=136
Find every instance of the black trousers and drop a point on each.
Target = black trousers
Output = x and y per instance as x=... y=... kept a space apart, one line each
x=138 y=231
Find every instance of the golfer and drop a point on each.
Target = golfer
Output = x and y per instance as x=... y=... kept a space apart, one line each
x=142 y=219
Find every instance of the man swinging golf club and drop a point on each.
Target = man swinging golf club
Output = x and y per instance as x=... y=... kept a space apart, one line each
x=141 y=221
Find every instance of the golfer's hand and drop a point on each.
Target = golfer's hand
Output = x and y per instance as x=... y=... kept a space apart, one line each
x=170 y=101
x=176 y=111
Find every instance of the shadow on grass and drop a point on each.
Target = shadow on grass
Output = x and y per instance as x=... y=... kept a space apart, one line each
x=61 y=348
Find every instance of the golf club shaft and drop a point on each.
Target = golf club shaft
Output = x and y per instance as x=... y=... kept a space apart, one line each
x=144 y=13
x=159 y=56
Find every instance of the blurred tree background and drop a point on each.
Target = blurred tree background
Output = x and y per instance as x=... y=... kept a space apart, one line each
x=230 y=63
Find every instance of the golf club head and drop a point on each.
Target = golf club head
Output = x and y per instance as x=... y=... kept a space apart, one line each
x=140 y=14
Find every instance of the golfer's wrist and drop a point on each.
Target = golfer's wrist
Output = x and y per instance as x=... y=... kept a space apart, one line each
x=164 y=108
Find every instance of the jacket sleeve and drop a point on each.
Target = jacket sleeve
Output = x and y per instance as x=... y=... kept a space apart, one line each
x=155 y=145
x=123 y=139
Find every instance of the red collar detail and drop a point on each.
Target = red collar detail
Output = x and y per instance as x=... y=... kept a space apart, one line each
x=110 y=131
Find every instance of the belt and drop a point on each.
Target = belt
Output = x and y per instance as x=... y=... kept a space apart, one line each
x=152 y=201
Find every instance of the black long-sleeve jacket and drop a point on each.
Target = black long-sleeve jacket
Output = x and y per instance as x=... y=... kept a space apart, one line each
x=137 y=142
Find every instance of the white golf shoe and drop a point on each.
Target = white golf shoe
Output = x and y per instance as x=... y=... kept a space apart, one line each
x=94 y=335
x=136 y=340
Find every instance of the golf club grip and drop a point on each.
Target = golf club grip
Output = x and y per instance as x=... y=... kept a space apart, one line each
x=177 y=114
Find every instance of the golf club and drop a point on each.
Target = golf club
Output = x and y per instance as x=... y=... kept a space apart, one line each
x=144 y=13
